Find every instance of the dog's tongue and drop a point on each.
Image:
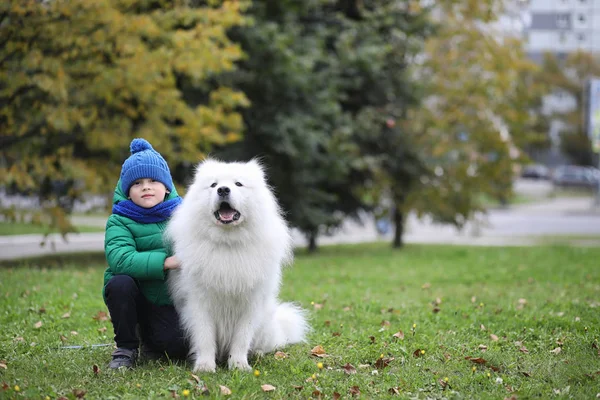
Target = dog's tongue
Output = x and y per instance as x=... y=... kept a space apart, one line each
x=226 y=215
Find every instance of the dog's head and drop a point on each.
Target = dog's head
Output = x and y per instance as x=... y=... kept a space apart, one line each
x=231 y=193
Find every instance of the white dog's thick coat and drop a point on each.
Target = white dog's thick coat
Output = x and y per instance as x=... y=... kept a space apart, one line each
x=226 y=289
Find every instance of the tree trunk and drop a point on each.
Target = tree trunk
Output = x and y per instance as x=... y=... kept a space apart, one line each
x=312 y=242
x=398 y=227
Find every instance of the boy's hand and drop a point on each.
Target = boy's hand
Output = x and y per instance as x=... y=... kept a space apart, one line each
x=171 y=263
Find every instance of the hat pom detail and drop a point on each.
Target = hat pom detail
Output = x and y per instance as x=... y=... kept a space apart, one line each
x=138 y=145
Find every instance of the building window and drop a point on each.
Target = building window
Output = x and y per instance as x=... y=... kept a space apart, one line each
x=581 y=18
x=562 y=21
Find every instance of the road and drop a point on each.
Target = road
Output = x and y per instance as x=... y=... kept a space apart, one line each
x=515 y=226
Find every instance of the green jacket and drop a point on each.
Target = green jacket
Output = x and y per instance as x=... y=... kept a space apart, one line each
x=137 y=250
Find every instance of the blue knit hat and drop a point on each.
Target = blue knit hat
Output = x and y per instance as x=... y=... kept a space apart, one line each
x=144 y=162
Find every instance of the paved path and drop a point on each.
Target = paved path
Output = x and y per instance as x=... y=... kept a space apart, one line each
x=516 y=226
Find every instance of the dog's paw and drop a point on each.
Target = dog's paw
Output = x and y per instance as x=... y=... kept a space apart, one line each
x=241 y=364
x=205 y=366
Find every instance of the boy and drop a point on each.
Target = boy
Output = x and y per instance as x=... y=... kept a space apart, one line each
x=135 y=282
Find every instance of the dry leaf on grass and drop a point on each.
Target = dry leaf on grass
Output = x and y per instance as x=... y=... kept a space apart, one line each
x=336 y=396
x=267 y=388
x=225 y=391
x=399 y=335
x=96 y=369
x=101 y=316
x=38 y=325
x=318 y=351
x=349 y=369
x=494 y=337
x=556 y=350
x=66 y=315
x=354 y=391
x=280 y=355
x=3 y=364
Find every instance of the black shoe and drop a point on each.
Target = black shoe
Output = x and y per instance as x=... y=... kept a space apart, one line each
x=123 y=358
x=149 y=354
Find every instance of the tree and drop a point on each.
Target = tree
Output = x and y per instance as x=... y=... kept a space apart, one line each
x=79 y=79
x=475 y=117
x=295 y=123
x=569 y=78
x=318 y=74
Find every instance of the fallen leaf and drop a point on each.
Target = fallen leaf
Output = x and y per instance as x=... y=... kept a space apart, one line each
x=476 y=360
x=298 y=387
x=101 y=316
x=399 y=335
x=196 y=378
x=443 y=383
x=556 y=350
x=523 y=349
x=42 y=310
x=280 y=355
x=38 y=325
x=318 y=351
x=494 y=337
x=96 y=369
x=19 y=339
x=473 y=299
x=336 y=334
x=204 y=390
x=327 y=323
x=267 y=388
x=317 y=306
x=349 y=369
x=426 y=285
x=346 y=309
x=336 y=396
x=394 y=390
x=316 y=393
x=437 y=301
x=483 y=347
x=3 y=365
x=385 y=323
x=354 y=391
x=513 y=397
x=225 y=391
x=372 y=338
x=525 y=373
x=79 y=393
x=74 y=333
x=63 y=338
x=436 y=310
x=482 y=327
x=102 y=330
x=381 y=363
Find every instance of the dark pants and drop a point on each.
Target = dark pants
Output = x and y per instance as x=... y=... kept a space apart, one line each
x=159 y=326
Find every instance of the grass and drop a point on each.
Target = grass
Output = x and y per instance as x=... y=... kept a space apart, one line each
x=19 y=228
x=447 y=301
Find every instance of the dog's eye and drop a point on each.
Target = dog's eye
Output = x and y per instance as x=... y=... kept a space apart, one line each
x=213 y=185
x=238 y=184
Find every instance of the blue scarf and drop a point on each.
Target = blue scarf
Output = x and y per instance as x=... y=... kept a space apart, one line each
x=159 y=213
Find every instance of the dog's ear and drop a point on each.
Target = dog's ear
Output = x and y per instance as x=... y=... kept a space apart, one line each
x=258 y=166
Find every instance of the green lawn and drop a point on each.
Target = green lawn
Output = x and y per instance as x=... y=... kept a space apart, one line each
x=477 y=323
x=20 y=228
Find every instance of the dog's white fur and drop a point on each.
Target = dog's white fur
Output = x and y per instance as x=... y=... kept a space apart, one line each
x=227 y=286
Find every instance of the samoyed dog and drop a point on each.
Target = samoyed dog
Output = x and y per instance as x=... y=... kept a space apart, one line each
x=232 y=241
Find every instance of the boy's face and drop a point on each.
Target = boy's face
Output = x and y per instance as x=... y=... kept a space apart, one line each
x=147 y=192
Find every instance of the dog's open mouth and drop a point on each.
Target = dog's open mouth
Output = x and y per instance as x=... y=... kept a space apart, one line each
x=226 y=215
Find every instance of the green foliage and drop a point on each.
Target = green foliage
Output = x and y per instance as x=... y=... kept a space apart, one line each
x=534 y=300
x=570 y=78
x=80 y=79
x=476 y=115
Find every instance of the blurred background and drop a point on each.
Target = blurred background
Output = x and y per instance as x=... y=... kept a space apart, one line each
x=457 y=121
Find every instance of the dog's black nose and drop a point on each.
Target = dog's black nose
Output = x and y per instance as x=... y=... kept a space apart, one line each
x=223 y=191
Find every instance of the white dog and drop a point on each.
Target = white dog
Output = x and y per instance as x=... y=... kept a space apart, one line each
x=232 y=241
